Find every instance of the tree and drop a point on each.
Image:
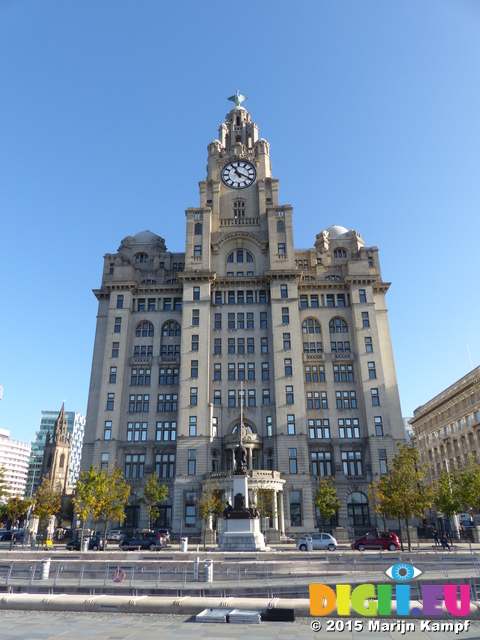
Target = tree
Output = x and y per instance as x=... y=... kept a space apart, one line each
x=407 y=495
x=447 y=496
x=326 y=499
x=378 y=494
x=14 y=509
x=47 y=501
x=467 y=482
x=85 y=496
x=209 y=504
x=153 y=494
x=264 y=503
x=112 y=493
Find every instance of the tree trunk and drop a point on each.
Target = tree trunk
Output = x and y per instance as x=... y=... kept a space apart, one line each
x=205 y=533
x=408 y=535
x=105 y=535
x=384 y=522
x=400 y=532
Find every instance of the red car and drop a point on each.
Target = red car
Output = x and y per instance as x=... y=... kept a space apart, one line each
x=385 y=540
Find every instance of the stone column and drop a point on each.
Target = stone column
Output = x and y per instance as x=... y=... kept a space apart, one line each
x=275 y=509
x=281 y=512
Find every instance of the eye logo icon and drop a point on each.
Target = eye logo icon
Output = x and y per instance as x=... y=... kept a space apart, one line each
x=402 y=572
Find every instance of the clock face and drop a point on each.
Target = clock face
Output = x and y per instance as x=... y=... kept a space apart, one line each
x=238 y=174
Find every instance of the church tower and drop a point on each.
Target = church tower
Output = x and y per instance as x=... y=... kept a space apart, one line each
x=56 y=458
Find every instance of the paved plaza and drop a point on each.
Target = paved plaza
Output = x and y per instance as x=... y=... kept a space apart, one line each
x=25 y=625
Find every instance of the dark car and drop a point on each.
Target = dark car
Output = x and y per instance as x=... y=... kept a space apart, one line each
x=6 y=534
x=386 y=540
x=95 y=543
x=143 y=540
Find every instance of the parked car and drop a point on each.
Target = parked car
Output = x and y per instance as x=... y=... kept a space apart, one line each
x=95 y=543
x=6 y=534
x=386 y=540
x=115 y=534
x=319 y=541
x=165 y=533
x=143 y=540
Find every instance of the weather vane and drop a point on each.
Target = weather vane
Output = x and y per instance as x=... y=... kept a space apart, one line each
x=237 y=98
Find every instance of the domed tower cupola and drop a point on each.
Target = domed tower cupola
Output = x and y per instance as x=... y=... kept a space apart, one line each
x=238 y=132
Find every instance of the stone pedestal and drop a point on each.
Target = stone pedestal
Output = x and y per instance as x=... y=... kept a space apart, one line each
x=210 y=536
x=241 y=535
x=341 y=535
x=413 y=535
x=272 y=535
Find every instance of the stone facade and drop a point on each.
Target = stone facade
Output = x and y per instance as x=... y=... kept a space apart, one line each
x=447 y=428
x=300 y=336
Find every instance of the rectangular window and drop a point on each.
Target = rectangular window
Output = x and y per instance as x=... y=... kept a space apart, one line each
x=193 y=395
x=315 y=373
x=168 y=375
x=382 y=459
x=118 y=325
x=269 y=426
x=119 y=302
x=192 y=426
x=151 y=304
x=240 y=321
x=113 y=375
x=266 y=396
x=194 y=369
x=166 y=431
x=289 y=394
x=217 y=371
x=217 y=346
x=292 y=459
x=343 y=373
x=107 y=432
x=177 y=304
x=286 y=341
x=110 y=401
x=321 y=463
x=363 y=295
x=265 y=371
x=241 y=371
x=378 y=426
x=372 y=372
x=264 y=345
x=241 y=398
x=287 y=362
x=251 y=398
x=330 y=300
x=375 y=398
x=251 y=370
x=165 y=465
x=231 y=398
x=303 y=302
x=231 y=345
x=195 y=343
x=291 y=425
x=281 y=248
x=214 y=427
x=250 y=345
x=167 y=402
x=241 y=345
x=140 y=377
x=250 y=321
x=262 y=298
x=231 y=321
x=283 y=291
x=141 y=304
x=319 y=429
x=285 y=315
x=295 y=509
x=197 y=250
x=368 y=345
x=115 y=346
x=231 y=297
x=352 y=463
x=195 y=317
x=196 y=293
x=218 y=297
x=218 y=321
x=134 y=465
x=365 y=320
x=263 y=320
x=217 y=397
x=104 y=465
x=340 y=300
x=314 y=302
x=231 y=371
x=192 y=454
x=240 y=297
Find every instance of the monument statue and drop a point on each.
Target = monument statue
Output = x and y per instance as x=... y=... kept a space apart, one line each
x=240 y=459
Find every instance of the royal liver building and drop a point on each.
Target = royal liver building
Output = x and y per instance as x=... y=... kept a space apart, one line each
x=299 y=337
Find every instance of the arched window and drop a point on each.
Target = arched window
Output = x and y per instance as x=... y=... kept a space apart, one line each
x=198 y=228
x=338 y=325
x=144 y=330
x=170 y=329
x=247 y=426
x=62 y=461
x=141 y=257
x=339 y=253
x=310 y=325
x=357 y=507
x=240 y=256
x=280 y=226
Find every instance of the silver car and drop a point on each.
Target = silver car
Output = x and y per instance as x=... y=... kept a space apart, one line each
x=320 y=541
x=115 y=534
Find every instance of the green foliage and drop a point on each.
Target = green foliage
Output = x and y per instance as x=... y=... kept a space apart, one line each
x=16 y=508
x=264 y=502
x=467 y=483
x=210 y=503
x=3 y=485
x=326 y=499
x=446 y=495
x=378 y=495
x=153 y=494
x=47 y=501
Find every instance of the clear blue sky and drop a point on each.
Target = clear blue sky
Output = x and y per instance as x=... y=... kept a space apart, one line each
x=372 y=112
